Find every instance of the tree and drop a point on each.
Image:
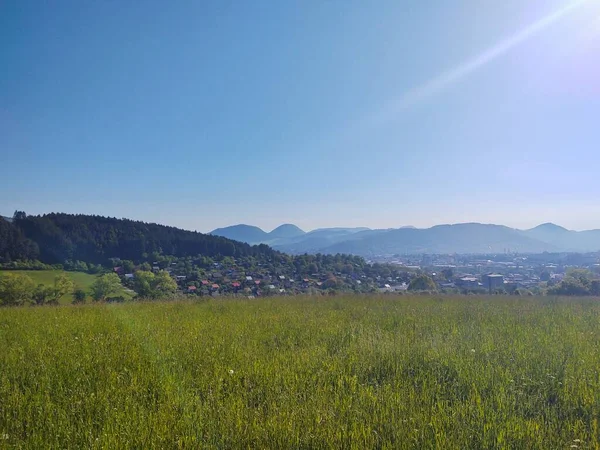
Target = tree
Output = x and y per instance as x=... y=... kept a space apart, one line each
x=332 y=283
x=584 y=276
x=62 y=285
x=595 y=288
x=448 y=273
x=105 y=286
x=143 y=282
x=163 y=284
x=15 y=289
x=19 y=215
x=41 y=294
x=545 y=275
x=79 y=296
x=570 y=287
x=149 y=285
x=422 y=283
x=128 y=266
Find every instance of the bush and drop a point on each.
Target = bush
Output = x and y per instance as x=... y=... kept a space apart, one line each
x=79 y=296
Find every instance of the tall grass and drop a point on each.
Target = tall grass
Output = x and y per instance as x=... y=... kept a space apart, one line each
x=342 y=372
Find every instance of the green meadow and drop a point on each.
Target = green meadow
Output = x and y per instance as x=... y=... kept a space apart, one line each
x=330 y=372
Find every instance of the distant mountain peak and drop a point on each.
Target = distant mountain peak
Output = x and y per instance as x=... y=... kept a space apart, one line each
x=242 y=233
x=549 y=226
x=287 y=230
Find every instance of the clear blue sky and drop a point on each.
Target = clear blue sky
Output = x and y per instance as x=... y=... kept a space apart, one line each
x=202 y=114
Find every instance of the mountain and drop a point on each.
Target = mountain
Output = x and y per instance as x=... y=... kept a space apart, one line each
x=342 y=230
x=242 y=233
x=317 y=240
x=8 y=219
x=567 y=240
x=254 y=235
x=460 y=238
x=286 y=231
x=547 y=232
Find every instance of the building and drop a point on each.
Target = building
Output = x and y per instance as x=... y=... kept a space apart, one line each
x=493 y=282
x=468 y=283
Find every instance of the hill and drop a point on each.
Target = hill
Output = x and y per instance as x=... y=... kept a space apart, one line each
x=286 y=231
x=56 y=238
x=547 y=232
x=254 y=235
x=242 y=233
x=288 y=238
x=566 y=240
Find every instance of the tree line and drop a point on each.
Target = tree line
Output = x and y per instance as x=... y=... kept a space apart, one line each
x=18 y=289
x=56 y=238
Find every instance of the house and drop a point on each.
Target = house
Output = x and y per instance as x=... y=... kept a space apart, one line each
x=248 y=278
x=180 y=277
x=215 y=286
x=557 y=277
x=400 y=287
x=205 y=283
x=235 y=284
x=468 y=282
x=192 y=288
x=129 y=276
x=281 y=277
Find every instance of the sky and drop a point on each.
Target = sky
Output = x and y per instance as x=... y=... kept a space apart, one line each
x=318 y=113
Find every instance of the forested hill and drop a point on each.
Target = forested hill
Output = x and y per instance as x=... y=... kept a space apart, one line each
x=55 y=238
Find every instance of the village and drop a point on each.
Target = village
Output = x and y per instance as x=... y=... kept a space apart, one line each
x=453 y=274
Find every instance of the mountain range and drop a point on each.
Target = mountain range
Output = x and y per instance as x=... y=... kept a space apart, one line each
x=458 y=238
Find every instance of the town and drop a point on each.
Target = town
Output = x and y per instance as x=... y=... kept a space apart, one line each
x=531 y=274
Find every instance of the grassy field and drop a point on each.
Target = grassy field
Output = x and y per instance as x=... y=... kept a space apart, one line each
x=336 y=372
x=82 y=280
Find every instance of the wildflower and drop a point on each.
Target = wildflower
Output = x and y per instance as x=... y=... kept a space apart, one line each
x=4 y=436
x=577 y=441
x=472 y=350
x=574 y=446
x=230 y=371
